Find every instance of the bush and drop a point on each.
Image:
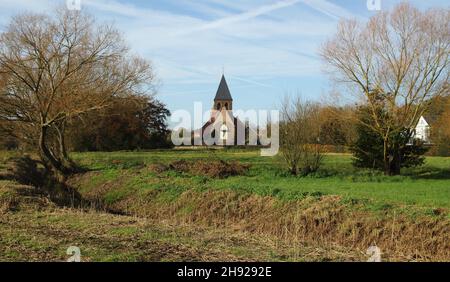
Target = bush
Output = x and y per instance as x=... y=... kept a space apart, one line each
x=441 y=147
x=299 y=136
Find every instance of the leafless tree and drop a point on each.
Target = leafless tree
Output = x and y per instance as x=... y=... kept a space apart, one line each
x=395 y=63
x=55 y=68
x=299 y=135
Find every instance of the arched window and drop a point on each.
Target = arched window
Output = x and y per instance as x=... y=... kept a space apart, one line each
x=218 y=106
x=226 y=106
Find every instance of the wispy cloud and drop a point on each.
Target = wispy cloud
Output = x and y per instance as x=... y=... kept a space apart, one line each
x=253 y=82
x=183 y=54
x=116 y=7
x=331 y=10
x=262 y=10
x=264 y=45
x=251 y=43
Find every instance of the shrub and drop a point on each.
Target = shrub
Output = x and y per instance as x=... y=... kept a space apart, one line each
x=299 y=136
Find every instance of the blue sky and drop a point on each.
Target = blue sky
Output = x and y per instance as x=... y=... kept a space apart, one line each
x=267 y=47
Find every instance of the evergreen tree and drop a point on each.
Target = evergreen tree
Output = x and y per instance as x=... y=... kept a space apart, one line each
x=368 y=147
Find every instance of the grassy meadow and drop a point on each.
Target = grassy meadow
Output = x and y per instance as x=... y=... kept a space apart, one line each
x=424 y=187
x=137 y=207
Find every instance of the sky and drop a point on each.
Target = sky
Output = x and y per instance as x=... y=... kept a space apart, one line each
x=266 y=48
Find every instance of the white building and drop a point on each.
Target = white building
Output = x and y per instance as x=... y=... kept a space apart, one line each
x=422 y=130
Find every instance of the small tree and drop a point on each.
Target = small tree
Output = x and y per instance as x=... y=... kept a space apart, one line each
x=299 y=136
x=368 y=147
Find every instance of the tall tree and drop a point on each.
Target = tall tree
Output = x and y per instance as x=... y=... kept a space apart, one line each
x=59 y=67
x=396 y=62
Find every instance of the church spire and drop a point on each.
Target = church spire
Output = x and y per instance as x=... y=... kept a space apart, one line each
x=223 y=93
x=223 y=98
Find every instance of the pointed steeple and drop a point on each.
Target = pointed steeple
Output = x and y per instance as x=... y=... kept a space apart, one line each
x=223 y=93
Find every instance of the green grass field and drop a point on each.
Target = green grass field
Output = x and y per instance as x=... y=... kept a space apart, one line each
x=263 y=215
x=426 y=187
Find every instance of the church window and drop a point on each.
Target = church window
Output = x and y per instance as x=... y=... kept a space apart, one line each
x=223 y=132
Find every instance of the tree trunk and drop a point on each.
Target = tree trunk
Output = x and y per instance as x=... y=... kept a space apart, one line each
x=397 y=161
x=391 y=158
x=66 y=161
x=294 y=170
x=386 y=159
x=47 y=157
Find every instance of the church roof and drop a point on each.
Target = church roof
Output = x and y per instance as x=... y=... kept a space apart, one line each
x=223 y=93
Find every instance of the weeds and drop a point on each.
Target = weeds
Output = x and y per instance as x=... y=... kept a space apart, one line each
x=213 y=169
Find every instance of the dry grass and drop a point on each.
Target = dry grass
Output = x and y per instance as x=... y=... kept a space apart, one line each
x=24 y=180
x=14 y=197
x=44 y=235
x=323 y=221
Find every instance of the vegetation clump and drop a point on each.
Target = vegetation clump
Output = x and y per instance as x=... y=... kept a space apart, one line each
x=213 y=169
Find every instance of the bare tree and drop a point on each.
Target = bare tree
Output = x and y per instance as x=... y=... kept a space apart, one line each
x=55 y=68
x=299 y=136
x=395 y=63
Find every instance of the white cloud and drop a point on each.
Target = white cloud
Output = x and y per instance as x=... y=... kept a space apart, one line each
x=187 y=48
x=332 y=10
x=261 y=10
x=287 y=49
x=267 y=47
x=255 y=42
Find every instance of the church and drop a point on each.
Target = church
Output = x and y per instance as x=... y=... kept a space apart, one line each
x=222 y=128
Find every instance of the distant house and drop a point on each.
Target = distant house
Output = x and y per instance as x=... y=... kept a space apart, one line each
x=422 y=131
